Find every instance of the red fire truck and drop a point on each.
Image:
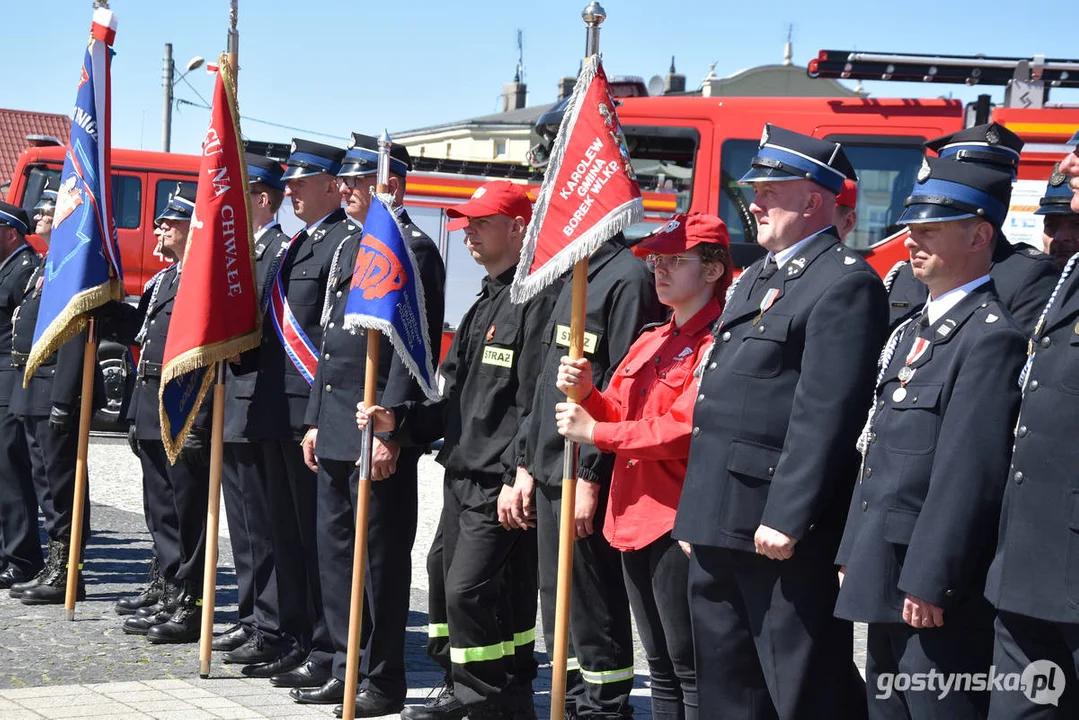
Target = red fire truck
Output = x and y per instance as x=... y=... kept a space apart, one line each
x=688 y=153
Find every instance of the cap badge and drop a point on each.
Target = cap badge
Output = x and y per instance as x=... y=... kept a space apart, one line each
x=293 y=147
x=924 y=171
x=480 y=192
x=992 y=136
x=352 y=142
x=764 y=135
x=1057 y=178
x=671 y=226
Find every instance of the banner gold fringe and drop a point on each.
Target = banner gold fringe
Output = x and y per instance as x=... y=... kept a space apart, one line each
x=69 y=324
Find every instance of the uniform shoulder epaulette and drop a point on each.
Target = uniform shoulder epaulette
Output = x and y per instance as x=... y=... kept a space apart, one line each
x=846 y=257
x=1033 y=252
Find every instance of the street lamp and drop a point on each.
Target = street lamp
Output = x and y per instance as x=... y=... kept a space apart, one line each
x=169 y=81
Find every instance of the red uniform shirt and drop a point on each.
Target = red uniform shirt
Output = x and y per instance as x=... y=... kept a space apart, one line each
x=645 y=417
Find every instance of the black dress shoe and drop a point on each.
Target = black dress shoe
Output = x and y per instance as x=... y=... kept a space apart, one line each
x=12 y=575
x=306 y=675
x=256 y=649
x=372 y=704
x=286 y=660
x=332 y=691
x=136 y=625
x=232 y=638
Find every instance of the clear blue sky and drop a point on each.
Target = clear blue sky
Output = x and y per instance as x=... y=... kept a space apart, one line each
x=332 y=67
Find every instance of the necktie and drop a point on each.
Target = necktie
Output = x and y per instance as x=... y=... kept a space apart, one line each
x=767 y=272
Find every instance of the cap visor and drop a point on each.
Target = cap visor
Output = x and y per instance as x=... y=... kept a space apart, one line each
x=295 y=171
x=1064 y=208
x=927 y=213
x=355 y=171
x=767 y=174
x=661 y=245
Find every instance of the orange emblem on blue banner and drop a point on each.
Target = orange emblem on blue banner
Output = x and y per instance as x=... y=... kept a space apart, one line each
x=378 y=269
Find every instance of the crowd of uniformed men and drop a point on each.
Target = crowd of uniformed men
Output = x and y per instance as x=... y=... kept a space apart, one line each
x=913 y=434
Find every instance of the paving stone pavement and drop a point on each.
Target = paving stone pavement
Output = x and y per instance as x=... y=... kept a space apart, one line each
x=88 y=668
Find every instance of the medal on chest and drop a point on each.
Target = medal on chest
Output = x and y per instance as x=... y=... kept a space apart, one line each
x=767 y=301
x=906 y=373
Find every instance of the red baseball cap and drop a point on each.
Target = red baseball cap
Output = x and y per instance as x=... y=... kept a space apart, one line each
x=684 y=231
x=848 y=196
x=498 y=197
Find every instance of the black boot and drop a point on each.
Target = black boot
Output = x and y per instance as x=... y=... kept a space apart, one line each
x=487 y=710
x=51 y=556
x=141 y=622
x=146 y=596
x=184 y=625
x=52 y=586
x=519 y=701
x=441 y=704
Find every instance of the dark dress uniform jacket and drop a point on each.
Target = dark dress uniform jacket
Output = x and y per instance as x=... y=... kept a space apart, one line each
x=489 y=378
x=14 y=276
x=923 y=516
x=272 y=404
x=621 y=301
x=1023 y=276
x=1036 y=568
x=58 y=381
x=339 y=382
x=782 y=402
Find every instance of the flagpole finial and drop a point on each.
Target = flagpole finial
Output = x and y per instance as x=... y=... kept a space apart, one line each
x=594 y=14
x=384 y=143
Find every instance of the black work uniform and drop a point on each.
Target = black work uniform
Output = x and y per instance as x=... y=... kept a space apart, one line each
x=1034 y=578
x=174 y=495
x=56 y=383
x=338 y=388
x=782 y=401
x=621 y=300
x=489 y=378
x=247 y=506
x=922 y=519
x=271 y=403
x=19 y=545
x=1023 y=277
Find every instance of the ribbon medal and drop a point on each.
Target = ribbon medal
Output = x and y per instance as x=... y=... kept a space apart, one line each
x=907 y=372
x=766 y=302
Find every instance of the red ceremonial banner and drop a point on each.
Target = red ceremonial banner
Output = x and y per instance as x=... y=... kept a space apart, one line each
x=216 y=311
x=589 y=192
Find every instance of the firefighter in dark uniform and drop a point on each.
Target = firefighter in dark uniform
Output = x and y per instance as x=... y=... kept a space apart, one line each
x=1023 y=276
x=245 y=506
x=174 y=495
x=489 y=377
x=921 y=527
x=331 y=447
x=1060 y=228
x=773 y=462
x=20 y=550
x=1033 y=578
x=621 y=300
x=270 y=466
x=49 y=410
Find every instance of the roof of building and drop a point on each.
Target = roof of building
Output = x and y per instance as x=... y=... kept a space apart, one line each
x=15 y=125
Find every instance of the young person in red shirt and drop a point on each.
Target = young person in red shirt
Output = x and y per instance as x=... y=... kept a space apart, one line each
x=644 y=418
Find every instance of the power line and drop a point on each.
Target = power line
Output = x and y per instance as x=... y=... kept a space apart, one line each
x=206 y=106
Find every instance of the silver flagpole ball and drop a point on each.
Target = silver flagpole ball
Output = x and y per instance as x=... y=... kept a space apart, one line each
x=594 y=14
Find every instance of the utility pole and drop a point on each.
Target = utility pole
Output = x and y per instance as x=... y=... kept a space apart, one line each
x=166 y=108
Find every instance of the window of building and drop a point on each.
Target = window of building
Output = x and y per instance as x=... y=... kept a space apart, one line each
x=500 y=148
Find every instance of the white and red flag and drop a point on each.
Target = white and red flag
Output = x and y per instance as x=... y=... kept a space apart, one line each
x=589 y=192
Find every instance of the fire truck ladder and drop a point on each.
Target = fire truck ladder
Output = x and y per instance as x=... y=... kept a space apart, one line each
x=1027 y=80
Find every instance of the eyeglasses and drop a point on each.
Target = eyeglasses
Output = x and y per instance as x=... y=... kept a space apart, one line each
x=353 y=181
x=668 y=262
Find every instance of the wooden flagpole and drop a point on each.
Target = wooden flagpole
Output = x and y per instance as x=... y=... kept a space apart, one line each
x=363 y=493
x=217 y=445
x=86 y=407
x=593 y=16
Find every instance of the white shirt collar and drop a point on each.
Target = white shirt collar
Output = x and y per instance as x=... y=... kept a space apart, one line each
x=262 y=230
x=936 y=308
x=314 y=226
x=786 y=254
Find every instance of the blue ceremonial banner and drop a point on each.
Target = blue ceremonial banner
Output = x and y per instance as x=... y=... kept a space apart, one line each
x=386 y=294
x=82 y=268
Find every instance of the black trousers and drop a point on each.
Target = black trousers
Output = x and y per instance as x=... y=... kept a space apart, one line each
x=601 y=639
x=766 y=644
x=391 y=531
x=52 y=457
x=1020 y=641
x=19 y=544
x=175 y=498
x=490 y=591
x=438 y=626
x=896 y=650
x=270 y=504
x=657 y=585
